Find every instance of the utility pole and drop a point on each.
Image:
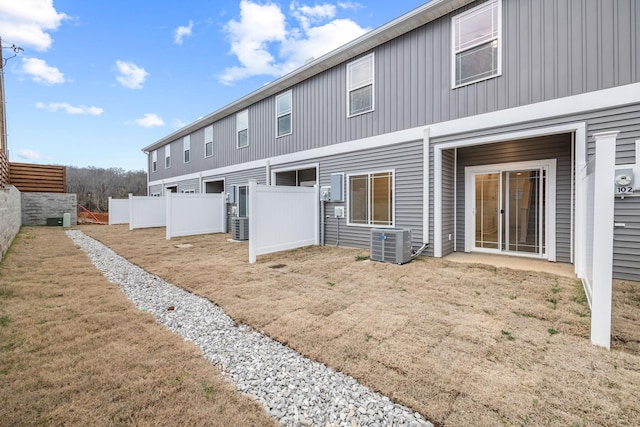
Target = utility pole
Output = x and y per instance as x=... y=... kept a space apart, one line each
x=3 y=111
x=3 y=114
x=4 y=148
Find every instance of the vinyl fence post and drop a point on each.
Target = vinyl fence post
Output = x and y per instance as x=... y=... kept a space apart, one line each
x=603 y=238
x=253 y=209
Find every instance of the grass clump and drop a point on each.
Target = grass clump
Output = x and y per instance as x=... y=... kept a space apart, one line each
x=5 y=320
x=508 y=335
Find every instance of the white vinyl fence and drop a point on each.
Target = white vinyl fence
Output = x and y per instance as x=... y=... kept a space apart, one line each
x=190 y=214
x=282 y=218
x=118 y=211
x=146 y=212
x=599 y=268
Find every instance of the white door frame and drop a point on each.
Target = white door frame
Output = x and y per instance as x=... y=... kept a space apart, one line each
x=550 y=196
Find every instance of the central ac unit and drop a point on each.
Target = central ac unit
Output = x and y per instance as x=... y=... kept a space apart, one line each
x=240 y=228
x=391 y=245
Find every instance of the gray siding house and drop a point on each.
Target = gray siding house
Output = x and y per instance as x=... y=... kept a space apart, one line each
x=472 y=123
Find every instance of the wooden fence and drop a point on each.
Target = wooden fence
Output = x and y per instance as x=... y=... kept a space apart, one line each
x=38 y=178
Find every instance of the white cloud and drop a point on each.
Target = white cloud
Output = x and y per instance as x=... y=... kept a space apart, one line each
x=259 y=25
x=321 y=40
x=70 y=109
x=41 y=72
x=265 y=43
x=179 y=124
x=130 y=75
x=349 y=5
x=29 y=154
x=149 y=120
x=27 y=22
x=182 y=32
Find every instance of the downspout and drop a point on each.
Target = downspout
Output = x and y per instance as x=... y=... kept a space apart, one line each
x=267 y=168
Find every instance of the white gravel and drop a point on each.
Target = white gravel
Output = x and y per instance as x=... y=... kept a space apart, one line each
x=296 y=391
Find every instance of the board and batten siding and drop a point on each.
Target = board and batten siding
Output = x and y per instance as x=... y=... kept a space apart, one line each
x=550 y=48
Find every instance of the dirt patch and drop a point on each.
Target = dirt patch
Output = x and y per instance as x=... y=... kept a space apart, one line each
x=461 y=344
x=75 y=351
x=93 y=218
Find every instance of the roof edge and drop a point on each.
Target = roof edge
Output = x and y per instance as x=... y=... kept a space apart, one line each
x=409 y=21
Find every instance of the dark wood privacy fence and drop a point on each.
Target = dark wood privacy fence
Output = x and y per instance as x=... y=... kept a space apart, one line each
x=38 y=178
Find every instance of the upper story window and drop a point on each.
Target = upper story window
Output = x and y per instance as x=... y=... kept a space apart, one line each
x=167 y=156
x=208 y=141
x=154 y=160
x=360 y=76
x=186 y=148
x=242 y=128
x=283 y=114
x=476 y=43
x=371 y=199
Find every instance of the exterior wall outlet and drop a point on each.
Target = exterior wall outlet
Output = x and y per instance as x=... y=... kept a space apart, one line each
x=339 y=211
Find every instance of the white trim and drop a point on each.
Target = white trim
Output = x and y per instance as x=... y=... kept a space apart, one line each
x=204 y=182
x=372 y=83
x=393 y=198
x=603 y=238
x=167 y=156
x=315 y=166
x=437 y=202
x=186 y=146
x=579 y=129
x=384 y=140
x=154 y=161
x=207 y=141
x=238 y=129
x=290 y=113
x=570 y=105
x=498 y=38
x=550 y=195
x=425 y=189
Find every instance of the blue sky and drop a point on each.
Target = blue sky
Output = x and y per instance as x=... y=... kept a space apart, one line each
x=99 y=80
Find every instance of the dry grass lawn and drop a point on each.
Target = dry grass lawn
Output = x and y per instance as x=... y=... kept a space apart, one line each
x=462 y=344
x=75 y=351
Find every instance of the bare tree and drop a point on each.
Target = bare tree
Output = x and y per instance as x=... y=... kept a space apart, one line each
x=94 y=186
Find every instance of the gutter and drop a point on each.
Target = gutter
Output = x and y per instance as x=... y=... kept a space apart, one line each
x=416 y=18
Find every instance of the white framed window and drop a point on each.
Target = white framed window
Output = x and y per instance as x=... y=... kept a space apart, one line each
x=476 y=41
x=371 y=198
x=208 y=141
x=243 y=200
x=154 y=161
x=360 y=78
x=242 y=128
x=186 y=148
x=167 y=156
x=283 y=114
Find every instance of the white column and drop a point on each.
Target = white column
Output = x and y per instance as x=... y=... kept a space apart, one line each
x=252 y=219
x=110 y=210
x=603 y=238
x=425 y=192
x=130 y=211
x=169 y=219
x=437 y=202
